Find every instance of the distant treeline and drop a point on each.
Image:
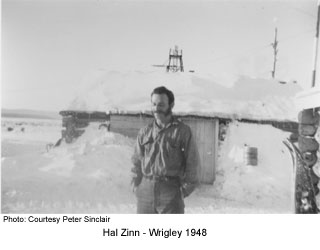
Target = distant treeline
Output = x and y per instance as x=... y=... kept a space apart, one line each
x=33 y=114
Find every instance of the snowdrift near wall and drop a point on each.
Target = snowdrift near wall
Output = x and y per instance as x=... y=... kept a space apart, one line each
x=92 y=175
x=197 y=95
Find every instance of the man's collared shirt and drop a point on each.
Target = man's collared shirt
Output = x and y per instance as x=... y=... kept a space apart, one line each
x=169 y=151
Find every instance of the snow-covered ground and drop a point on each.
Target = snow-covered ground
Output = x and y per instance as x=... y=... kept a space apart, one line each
x=92 y=175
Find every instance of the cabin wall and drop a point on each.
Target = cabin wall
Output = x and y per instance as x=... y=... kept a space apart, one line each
x=128 y=125
x=205 y=132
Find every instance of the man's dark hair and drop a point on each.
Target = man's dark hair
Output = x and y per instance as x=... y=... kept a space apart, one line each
x=163 y=90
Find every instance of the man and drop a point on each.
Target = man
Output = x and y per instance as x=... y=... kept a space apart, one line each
x=166 y=159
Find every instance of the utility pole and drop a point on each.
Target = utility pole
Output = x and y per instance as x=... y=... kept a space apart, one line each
x=275 y=52
x=316 y=41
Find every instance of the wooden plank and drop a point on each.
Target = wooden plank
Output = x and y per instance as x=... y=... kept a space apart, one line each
x=215 y=146
x=211 y=148
x=195 y=132
x=200 y=139
x=204 y=132
x=208 y=138
x=128 y=125
x=207 y=151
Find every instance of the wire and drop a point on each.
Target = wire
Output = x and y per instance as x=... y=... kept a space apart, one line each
x=296 y=35
x=303 y=12
x=259 y=48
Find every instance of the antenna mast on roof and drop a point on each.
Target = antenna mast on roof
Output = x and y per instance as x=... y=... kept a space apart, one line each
x=275 y=52
x=175 y=60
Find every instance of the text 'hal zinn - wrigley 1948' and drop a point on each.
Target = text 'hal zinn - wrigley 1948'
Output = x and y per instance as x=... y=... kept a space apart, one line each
x=154 y=232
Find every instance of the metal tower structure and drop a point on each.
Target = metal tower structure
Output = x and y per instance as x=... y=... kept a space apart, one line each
x=175 y=60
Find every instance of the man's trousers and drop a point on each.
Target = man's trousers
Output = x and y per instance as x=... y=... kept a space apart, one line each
x=159 y=196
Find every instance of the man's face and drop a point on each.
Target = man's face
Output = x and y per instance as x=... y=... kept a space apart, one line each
x=160 y=106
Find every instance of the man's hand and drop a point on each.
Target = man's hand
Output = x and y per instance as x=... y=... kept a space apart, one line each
x=134 y=188
x=135 y=181
x=187 y=189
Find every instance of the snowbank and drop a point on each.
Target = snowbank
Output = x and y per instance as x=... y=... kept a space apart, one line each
x=92 y=175
x=270 y=184
x=195 y=94
x=88 y=176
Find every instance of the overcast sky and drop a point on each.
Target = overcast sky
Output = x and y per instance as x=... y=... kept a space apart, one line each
x=49 y=46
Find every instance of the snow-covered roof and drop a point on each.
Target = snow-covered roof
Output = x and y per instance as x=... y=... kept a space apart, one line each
x=309 y=98
x=129 y=92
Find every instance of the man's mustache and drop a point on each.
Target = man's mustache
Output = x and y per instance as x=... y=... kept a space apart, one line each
x=159 y=112
x=165 y=113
